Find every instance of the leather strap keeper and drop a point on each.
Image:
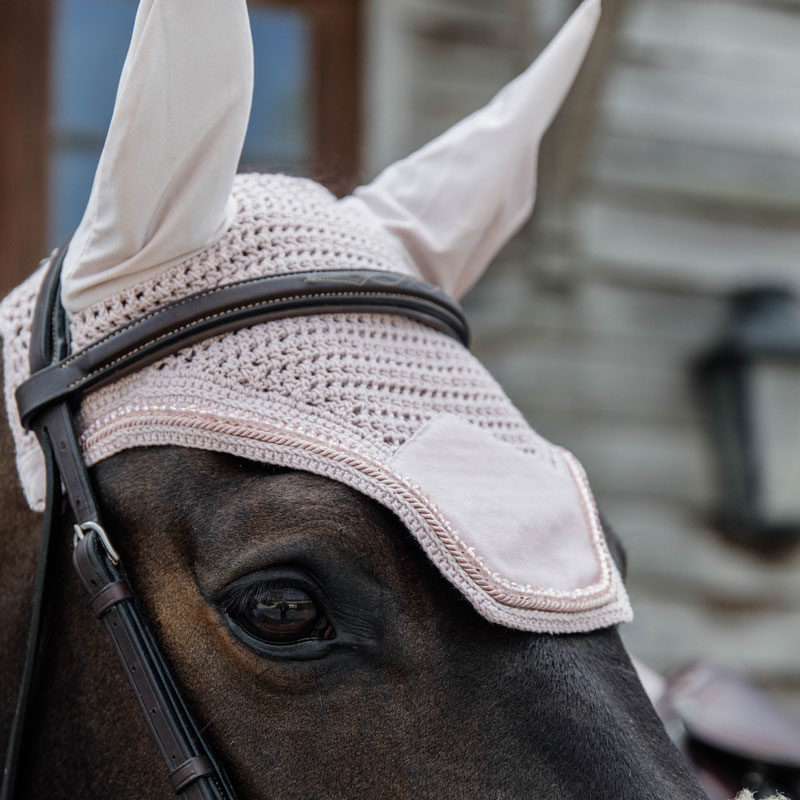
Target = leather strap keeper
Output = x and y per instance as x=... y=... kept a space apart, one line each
x=109 y=596
x=191 y=769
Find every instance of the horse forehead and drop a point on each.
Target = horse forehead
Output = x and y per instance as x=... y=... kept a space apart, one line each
x=227 y=504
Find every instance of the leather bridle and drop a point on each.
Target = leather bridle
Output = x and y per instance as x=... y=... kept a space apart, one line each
x=46 y=402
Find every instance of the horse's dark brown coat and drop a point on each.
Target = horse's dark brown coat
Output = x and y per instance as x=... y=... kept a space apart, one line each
x=431 y=702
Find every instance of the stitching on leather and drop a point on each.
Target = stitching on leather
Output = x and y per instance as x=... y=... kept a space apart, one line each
x=208 y=293
x=226 y=312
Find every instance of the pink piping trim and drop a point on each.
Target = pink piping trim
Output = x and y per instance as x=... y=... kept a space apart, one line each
x=492 y=583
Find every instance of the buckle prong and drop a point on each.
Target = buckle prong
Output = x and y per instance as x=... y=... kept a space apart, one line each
x=81 y=530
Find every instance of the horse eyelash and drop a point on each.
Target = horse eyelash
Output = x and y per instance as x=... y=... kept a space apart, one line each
x=242 y=596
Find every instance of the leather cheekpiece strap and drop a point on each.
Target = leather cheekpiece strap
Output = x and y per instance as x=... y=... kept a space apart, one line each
x=49 y=331
x=57 y=422
x=113 y=601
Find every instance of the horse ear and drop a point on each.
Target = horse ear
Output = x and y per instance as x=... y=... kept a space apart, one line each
x=163 y=183
x=453 y=204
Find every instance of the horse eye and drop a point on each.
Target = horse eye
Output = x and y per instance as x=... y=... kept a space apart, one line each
x=278 y=613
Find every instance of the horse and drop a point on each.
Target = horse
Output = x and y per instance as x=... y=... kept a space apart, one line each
x=425 y=699
x=327 y=642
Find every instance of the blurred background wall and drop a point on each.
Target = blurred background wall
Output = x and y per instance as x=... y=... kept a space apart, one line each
x=670 y=180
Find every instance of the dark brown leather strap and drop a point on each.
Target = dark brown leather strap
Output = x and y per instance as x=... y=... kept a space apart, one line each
x=113 y=600
x=233 y=306
x=49 y=331
x=109 y=596
x=191 y=770
x=57 y=422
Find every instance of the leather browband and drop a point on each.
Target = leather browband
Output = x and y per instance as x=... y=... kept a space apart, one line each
x=45 y=404
x=232 y=306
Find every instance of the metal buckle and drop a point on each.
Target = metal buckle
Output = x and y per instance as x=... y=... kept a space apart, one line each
x=81 y=530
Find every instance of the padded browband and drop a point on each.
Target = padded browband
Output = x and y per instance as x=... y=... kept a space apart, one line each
x=237 y=305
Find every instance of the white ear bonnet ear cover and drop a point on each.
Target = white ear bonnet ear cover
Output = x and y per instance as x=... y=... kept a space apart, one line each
x=395 y=409
x=384 y=404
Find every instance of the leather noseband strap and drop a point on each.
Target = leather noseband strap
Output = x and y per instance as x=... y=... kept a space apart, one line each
x=45 y=402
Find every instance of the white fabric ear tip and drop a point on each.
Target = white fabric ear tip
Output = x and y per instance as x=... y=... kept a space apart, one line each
x=566 y=53
x=163 y=185
x=594 y=7
x=455 y=203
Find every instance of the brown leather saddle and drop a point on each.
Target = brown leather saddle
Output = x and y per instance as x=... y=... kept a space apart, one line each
x=733 y=733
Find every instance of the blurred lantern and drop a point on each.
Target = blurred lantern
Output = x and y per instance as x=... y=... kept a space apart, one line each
x=750 y=388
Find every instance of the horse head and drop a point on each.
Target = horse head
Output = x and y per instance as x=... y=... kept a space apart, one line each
x=370 y=577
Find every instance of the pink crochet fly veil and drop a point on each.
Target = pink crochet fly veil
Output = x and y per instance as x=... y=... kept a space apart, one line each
x=386 y=404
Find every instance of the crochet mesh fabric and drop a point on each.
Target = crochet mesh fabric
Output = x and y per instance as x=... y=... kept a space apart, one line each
x=338 y=395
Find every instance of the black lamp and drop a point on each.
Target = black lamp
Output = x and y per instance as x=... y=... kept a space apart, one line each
x=750 y=389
